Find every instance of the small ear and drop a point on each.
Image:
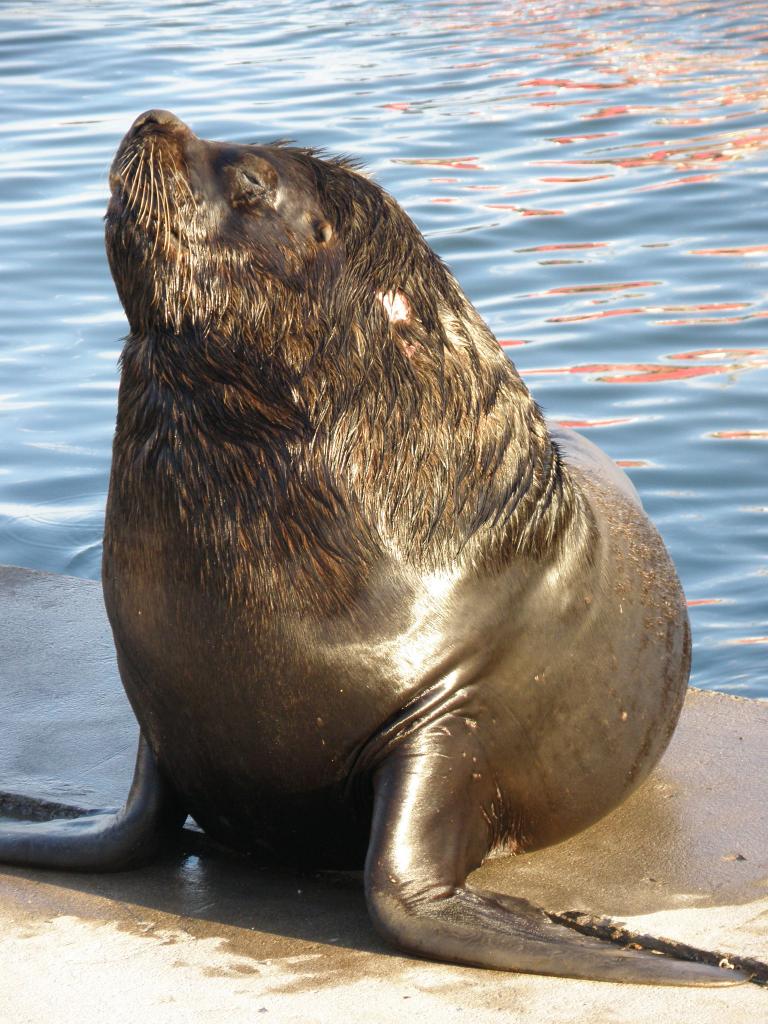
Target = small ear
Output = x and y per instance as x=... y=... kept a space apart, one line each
x=323 y=231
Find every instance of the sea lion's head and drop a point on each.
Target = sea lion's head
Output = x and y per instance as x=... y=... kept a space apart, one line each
x=197 y=231
x=272 y=244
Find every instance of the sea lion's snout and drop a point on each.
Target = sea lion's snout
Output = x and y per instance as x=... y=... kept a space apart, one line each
x=150 y=129
x=158 y=119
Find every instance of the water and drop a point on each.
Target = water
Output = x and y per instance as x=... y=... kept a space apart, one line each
x=593 y=173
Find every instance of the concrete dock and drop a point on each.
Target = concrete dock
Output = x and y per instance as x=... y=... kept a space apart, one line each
x=205 y=935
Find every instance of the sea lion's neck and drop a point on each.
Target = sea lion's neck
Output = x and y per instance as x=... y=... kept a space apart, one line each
x=213 y=479
x=431 y=468
x=468 y=478
x=203 y=382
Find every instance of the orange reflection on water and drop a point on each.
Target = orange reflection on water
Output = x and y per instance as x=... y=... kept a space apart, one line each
x=720 y=353
x=567 y=140
x=603 y=314
x=730 y=250
x=577 y=181
x=564 y=246
x=570 y=83
x=524 y=211
x=459 y=163
x=689 y=321
x=741 y=435
x=580 y=424
x=703 y=307
x=606 y=287
x=619 y=110
x=652 y=373
x=691 y=179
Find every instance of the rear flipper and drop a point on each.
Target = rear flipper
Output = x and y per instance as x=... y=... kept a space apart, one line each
x=100 y=840
x=431 y=827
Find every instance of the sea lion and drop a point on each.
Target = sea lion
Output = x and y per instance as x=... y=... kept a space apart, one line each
x=366 y=607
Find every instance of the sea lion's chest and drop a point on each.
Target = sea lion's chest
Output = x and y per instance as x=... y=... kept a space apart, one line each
x=259 y=711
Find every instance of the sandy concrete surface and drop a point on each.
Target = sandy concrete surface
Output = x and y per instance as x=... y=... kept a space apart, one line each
x=205 y=935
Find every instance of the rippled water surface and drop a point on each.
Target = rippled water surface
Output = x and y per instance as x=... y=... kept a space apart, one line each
x=595 y=174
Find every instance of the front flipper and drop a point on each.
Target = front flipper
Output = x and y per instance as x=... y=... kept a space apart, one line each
x=100 y=840
x=433 y=824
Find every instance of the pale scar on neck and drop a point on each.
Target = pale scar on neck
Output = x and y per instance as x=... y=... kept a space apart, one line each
x=395 y=306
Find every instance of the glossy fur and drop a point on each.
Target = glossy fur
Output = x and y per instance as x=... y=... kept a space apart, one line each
x=365 y=608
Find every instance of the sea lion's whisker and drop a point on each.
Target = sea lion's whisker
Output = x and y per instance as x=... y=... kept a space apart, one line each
x=126 y=165
x=167 y=209
x=144 y=190
x=129 y=158
x=134 y=184
x=152 y=212
x=181 y=180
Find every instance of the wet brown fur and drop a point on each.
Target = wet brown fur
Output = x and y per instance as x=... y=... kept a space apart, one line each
x=272 y=410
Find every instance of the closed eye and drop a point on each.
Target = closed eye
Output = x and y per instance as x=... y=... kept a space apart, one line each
x=254 y=180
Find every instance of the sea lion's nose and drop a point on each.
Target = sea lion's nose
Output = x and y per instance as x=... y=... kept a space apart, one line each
x=158 y=118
